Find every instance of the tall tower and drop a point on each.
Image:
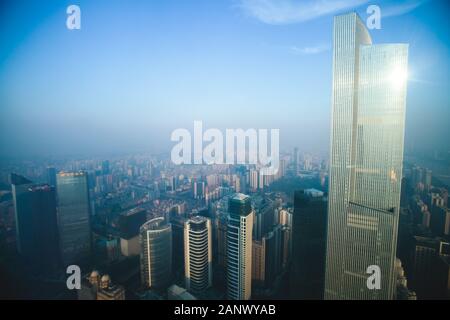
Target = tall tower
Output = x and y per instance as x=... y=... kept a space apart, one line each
x=367 y=132
x=156 y=253
x=309 y=237
x=74 y=216
x=239 y=248
x=36 y=225
x=198 y=254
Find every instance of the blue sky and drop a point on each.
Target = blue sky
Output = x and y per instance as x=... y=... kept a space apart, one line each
x=137 y=70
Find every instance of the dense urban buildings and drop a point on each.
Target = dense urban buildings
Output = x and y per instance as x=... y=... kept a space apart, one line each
x=368 y=115
x=131 y=223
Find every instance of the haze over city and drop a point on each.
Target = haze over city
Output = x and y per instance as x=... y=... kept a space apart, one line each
x=237 y=153
x=135 y=72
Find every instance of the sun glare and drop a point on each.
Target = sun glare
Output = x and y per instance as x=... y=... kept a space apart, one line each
x=398 y=77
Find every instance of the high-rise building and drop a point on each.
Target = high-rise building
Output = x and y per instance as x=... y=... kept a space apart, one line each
x=267 y=259
x=430 y=273
x=131 y=221
x=198 y=254
x=309 y=239
x=156 y=253
x=258 y=263
x=264 y=215
x=273 y=246
x=285 y=218
x=239 y=248
x=440 y=220
x=254 y=180
x=129 y=226
x=74 y=217
x=199 y=189
x=177 y=223
x=221 y=235
x=367 y=132
x=36 y=223
x=296 y=161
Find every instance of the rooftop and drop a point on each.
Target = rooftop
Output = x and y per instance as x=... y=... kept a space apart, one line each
x=240 y=197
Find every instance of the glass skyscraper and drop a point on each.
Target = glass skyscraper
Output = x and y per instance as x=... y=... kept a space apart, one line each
x=239 y=247
x=156 y=253
x=74 y=217
x=36 y=224
x=367 y=132
x=308 y=246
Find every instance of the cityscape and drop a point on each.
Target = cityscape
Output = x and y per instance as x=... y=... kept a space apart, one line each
x=228 y=214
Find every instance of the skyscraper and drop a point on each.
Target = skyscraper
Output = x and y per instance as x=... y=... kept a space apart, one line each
x=130 y=223
x=309 y=237
x=156 y=253
x=178 y=223
x=267 y=260
x=368 y=116
x=198 y=254
x=74 y=216
x=36 y=224
x=239 y=248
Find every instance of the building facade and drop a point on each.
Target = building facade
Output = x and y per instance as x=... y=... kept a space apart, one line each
x=368 y=119
x=239 y=248
x=74 y=217
x=309 y=239
x=156 y=253
x=36 y=223
x=198 y=254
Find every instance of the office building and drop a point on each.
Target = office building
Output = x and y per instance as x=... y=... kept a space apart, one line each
x=430 y=273
x=267 y=259
x=239 y=247
x=74 y=217
x=156 y=253
x=367 y=132
x=36 y=223
x=198 y=254
x=178 y=223
x=129 y=226
x=308 y=245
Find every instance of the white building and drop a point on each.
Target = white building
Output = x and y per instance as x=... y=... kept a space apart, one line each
x=197 y=254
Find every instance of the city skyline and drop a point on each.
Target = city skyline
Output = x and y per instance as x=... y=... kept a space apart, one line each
x=118 y=82
x=95 y=206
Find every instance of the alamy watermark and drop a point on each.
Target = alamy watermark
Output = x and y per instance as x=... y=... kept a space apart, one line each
x=249 y=146
x=73 y=21
x=374 y=280
x=374 y=19
x=74 y=279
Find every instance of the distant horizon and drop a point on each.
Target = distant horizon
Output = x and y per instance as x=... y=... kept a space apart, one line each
x=135 y=72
